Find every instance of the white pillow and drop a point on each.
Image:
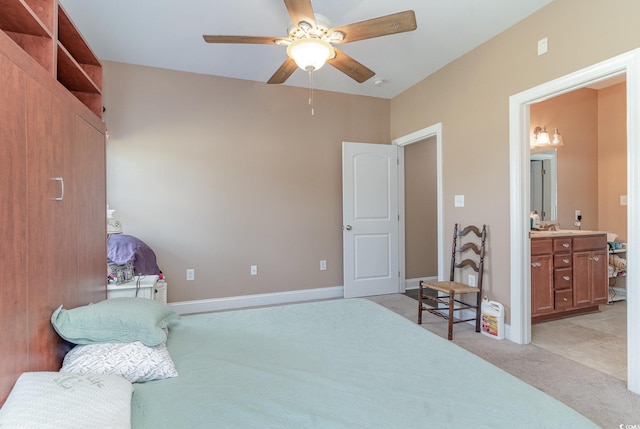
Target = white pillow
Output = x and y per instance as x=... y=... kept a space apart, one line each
x=51 y=400
x=134 y=361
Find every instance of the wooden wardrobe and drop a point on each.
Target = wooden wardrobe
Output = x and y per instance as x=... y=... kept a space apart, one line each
x=52 y=182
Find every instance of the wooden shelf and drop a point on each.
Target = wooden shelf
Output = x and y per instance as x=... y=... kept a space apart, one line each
x=38 y=48
x=73 y=41
x=30 y=30
x=56 y=45
x=72 y=75
x=78 y=68
x=18 y=17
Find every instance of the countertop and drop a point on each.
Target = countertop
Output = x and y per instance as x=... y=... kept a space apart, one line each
x=564 y=233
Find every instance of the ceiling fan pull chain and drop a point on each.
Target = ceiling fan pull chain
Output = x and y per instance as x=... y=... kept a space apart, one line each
x=311 y=90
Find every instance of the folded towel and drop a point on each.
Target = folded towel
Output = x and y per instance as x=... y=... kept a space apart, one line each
x=617 y=262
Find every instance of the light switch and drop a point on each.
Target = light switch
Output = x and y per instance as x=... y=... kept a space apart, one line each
x=623 y=200
x=458 y=201
x=543 y=46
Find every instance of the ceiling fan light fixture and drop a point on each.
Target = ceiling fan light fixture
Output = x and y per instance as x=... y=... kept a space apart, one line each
x=310 y=54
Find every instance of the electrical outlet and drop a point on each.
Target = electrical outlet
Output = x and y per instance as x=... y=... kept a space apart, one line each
x=191 y=274
x=472 y=280
x=578 y=215
x=323 y=265
x=254 y=270
x=458 y=201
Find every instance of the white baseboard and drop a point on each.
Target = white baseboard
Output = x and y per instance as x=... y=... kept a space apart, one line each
x=415 y=283
x=234 y=302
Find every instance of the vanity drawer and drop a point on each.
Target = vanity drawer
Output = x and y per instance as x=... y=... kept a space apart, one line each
x=564 y=299
x=562 y=261
x=562 y=278
x=590 y=242
x=541 y=246
x=562 y=245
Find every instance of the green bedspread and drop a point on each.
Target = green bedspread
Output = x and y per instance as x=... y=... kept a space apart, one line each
x=334 y=364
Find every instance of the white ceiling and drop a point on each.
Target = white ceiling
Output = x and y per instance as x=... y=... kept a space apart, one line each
x=168 y=34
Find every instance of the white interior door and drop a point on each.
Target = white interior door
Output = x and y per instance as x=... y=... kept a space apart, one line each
x=370 y=219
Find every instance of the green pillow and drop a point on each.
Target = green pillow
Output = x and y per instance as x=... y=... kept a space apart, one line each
x=116 y=320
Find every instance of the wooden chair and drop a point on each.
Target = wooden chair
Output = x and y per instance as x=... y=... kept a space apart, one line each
x=465 y=252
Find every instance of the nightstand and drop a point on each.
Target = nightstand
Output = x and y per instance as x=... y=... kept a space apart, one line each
x=149 y=287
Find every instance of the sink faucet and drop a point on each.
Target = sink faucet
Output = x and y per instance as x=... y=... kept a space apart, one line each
x=550 y=226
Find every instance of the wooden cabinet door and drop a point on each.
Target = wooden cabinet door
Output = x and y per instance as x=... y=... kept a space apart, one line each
x=52 y=241
x=542 y=293
x=599 y=271
x=590 y=277
x=90 y=174
x=582 y=292
x=13 y=225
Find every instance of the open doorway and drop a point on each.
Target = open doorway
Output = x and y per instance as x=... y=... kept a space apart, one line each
x=432 y=137
x=519 y=104
x=590 y=177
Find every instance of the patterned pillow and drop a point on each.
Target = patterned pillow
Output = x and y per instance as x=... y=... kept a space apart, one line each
x=134 y=361
x=51 y=400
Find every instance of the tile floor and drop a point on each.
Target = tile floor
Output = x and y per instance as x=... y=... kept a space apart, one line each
x=597 y=340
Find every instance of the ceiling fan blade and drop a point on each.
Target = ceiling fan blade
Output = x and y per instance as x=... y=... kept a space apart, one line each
x=283 y=73
x=376 y=27
x=350 y=67
x=300 y=10
x=242 y=39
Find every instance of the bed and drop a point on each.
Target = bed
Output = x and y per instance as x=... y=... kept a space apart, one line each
x=332 y=364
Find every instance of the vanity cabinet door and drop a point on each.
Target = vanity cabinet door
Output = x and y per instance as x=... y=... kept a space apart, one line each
x=590 y=277
x=600 y=276
x=590 y=266
x=582 y=285
x=542 y=292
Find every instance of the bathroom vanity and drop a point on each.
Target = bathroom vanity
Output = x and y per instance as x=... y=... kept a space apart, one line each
x=569 y=273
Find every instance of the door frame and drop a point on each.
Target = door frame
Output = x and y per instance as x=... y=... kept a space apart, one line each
x=629 y=63
x=415 y=137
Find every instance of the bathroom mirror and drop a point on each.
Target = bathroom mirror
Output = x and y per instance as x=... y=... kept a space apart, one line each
x=544 y=169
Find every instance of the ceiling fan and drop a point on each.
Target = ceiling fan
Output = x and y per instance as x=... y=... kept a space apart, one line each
x=311 y=39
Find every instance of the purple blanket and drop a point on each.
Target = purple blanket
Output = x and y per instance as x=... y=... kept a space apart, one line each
x=122 y=248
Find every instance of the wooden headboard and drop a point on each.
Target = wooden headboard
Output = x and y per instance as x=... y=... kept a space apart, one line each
x=52 y=240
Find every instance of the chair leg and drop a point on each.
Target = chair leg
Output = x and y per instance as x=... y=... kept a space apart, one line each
x=420 y=305
x=451 y=303
x=478 y=313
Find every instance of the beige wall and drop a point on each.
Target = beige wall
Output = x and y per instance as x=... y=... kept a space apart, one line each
x=421 y=210
x=470 y=97
x=576 y=116
x=219 y=174
x=612 y=156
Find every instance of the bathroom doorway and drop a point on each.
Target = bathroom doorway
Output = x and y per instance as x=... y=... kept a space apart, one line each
x=519 y=104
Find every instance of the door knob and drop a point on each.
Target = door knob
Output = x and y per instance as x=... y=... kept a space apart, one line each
x=348 y=227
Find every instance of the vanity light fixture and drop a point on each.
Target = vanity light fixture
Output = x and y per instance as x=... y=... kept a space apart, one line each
x=542 y=140
x=557 y=138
